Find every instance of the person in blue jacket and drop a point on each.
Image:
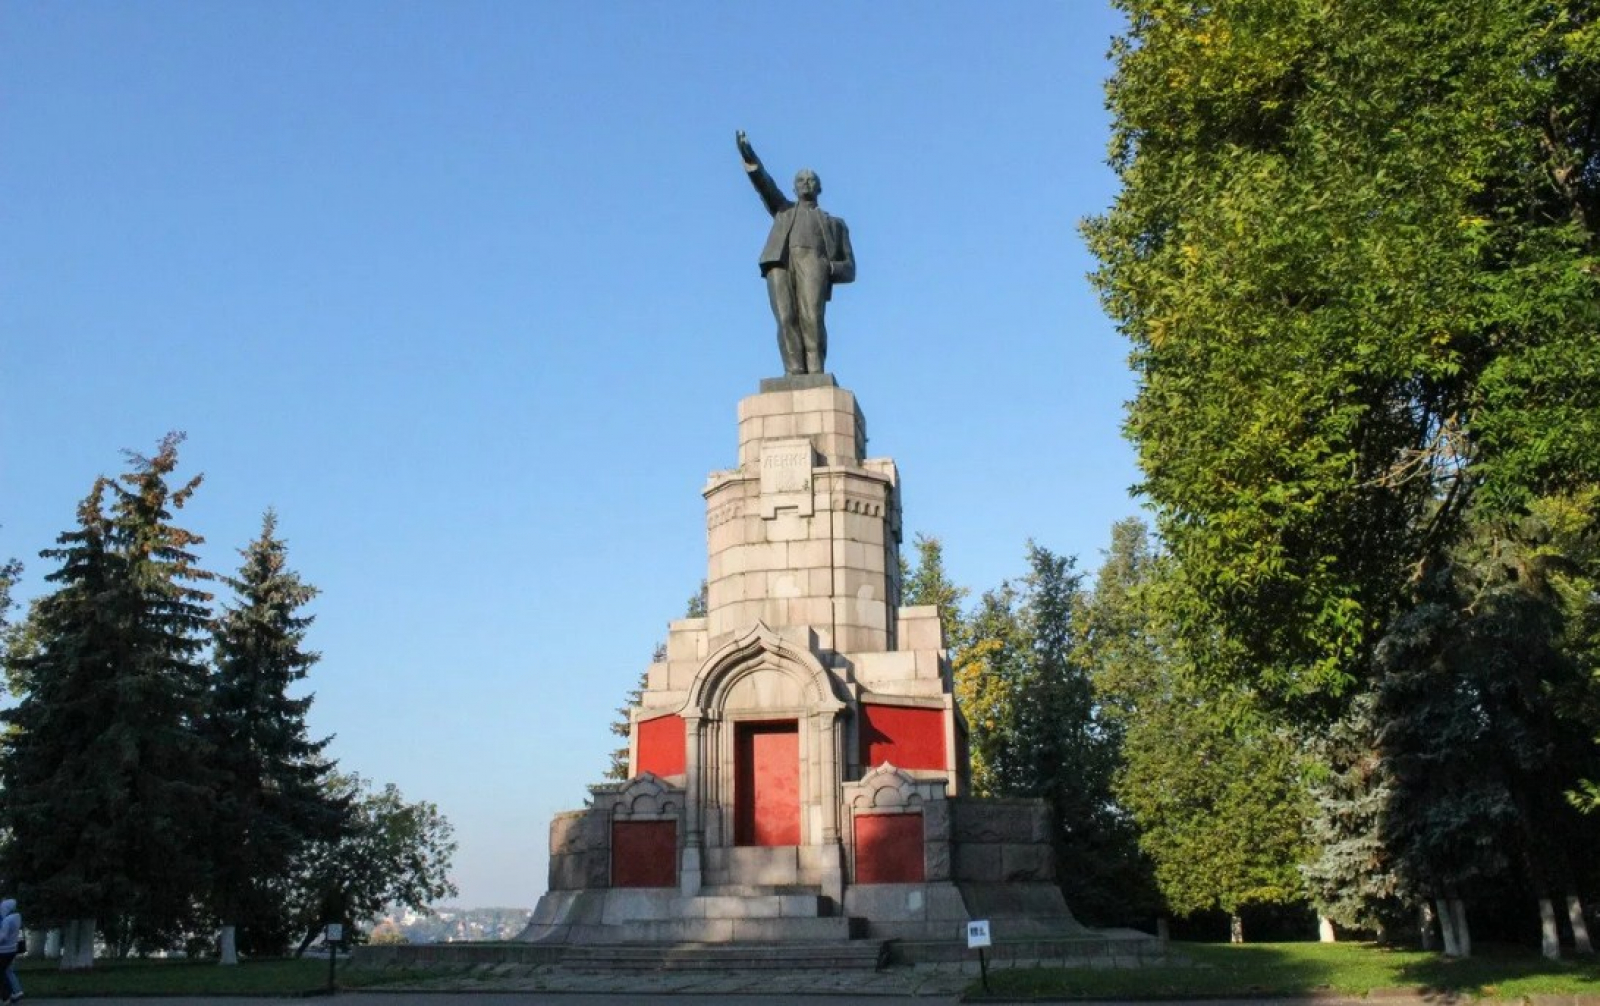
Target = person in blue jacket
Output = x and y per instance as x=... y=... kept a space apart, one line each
x=10 y=933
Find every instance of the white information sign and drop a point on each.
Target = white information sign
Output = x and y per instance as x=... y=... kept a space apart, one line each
x=978 y=934
x=335 y=932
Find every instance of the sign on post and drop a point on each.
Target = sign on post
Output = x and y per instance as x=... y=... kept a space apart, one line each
x=978 y=934
x=335 y=932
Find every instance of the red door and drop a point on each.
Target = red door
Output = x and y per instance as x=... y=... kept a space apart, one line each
x=766 y=783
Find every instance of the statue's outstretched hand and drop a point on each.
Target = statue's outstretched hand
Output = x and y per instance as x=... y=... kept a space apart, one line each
x=747 y=152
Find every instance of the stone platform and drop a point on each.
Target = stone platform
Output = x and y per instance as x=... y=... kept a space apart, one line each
x=797 y=764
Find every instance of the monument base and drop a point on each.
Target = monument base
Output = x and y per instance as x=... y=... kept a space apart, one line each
x=797 y=764
x=797 y=382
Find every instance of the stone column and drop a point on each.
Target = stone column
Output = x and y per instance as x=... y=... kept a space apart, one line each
x=690 y=870
x=828 y=736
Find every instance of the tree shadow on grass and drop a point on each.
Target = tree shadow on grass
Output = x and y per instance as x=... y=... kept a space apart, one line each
x=1501 y=970
x=1289 y=969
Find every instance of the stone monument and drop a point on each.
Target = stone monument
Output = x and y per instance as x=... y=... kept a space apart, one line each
x=797 y=764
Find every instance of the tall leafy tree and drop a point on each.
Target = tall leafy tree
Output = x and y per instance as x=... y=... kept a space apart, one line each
x=1215 y=787
x=1036 y=729
x=990 y=677
x=272 y=799
x=391 y=852
x=1355 y=254
x=108 y=780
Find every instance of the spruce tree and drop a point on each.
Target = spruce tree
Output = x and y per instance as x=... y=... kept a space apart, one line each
x=927 y=583
x=54 y=779
x=108 y=782
x=273 y=801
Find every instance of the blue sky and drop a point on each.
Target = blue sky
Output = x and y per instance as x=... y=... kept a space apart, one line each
x=468 y=292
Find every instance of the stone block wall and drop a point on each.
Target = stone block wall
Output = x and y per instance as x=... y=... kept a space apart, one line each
x=580 y=850
x=1001 y=840
x=805 y=531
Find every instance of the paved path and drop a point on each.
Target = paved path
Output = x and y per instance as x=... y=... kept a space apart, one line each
x=941 y=981
x=521 y=999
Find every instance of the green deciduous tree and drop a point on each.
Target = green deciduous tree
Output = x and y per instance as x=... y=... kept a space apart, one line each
x=390 y=852
x=1215 y=787
x=272 y=801
x=1355 y=254
x=990 y=675
x=1037 y=731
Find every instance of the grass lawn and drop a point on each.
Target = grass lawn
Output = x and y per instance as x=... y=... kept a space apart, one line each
x=42 y=979
x=1220 y=969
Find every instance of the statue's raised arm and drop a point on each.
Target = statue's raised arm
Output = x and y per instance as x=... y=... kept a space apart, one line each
x=772 y=197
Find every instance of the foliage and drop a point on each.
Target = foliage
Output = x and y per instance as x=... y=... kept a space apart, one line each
x=10 y=570
x=1355 y=255
x=107 y=780
x=1353 y=877
x=271 y=801
x=927 y=583
x=1216 y=788
x=990 y=674
x=1485 y=721
x=1037 y=731
x=390 y=852
x=11 y=640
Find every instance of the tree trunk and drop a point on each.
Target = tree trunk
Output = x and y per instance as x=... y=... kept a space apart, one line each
x=1549 y=931
x=1447 y=929
x=1580 y=929
x=1463 y=934
x=1425 y=921
x=36 y=942
x=1235 y=929
x=229 y=949
x=1325 y=932
x=1163 y=930
x=52 y=944
x=77 y=945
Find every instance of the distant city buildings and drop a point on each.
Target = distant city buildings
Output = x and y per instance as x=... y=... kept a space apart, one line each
x=450 y=925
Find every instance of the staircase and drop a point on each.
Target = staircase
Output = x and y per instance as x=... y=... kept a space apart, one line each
x=852 y=955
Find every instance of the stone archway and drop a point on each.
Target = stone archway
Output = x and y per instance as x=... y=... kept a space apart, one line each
x=761 y=711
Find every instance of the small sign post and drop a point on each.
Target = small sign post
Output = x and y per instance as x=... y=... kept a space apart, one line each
x=330 y=939
x=977 y=939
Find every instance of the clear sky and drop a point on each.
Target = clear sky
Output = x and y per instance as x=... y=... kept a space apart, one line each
x=468 y=292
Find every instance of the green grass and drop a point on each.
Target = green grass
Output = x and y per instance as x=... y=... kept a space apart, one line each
x=289 y=977
x=1298 y=968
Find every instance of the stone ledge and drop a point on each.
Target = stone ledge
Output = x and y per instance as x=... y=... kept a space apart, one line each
x=797 y=382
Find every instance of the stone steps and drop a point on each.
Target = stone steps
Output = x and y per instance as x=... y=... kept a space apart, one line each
x=753 y=906
x=756 y=890
x=853 y=955
x=812 y=929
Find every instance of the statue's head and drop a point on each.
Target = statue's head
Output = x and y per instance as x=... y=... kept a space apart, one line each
x=807 y=186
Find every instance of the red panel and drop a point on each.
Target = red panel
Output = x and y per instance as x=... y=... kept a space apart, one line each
x=644 y=854
x=903 y=736
x=661 y=745
x=889 y=849
x=766 y=783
